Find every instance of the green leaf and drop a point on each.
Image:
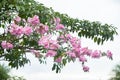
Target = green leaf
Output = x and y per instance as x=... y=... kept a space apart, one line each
x=58 y=70
x=54 y=66
x=95 y=39
x=98 y=41
x=64 y=62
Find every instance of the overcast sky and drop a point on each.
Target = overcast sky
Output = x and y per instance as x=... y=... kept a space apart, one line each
x=105 y=11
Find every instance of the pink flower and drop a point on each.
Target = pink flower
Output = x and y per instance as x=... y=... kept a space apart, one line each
x=57 y=20
x=47 y=43
x=71 y=54
x=36 y=53
x=58 y=60
x=19 y=30
x=73 y=40
x=17 y=19
x=76 y=50
x=82 y=59
x=89 y=52
x=44 y=41
x=96 y=54
x=109 y=54
x=42 y=29
x=53 y=45
x=34 y=21
x=27 y=30
x=6 y=45
x=16 y=30
x=65 y=38
x=85 y=68
x=46 y=28
x=59 y=26
x=86 y=51
x=9 y=45
x=68 y=36
x=51 y=53
x=13 y=25
x=76 y=43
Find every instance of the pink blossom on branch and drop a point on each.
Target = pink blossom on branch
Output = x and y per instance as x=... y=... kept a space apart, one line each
x=34 y=21
x=59 y=26
x=86 y=51
x=109 y=54
x=44 y=41
x=27 y=30
x=96 y=54
x=65 y=47
x=82 y=59
x=16 y=30
x=71 y=54
x=48 y=43
x=51 y=53
x=76 y=51
x=6 y=45
x=42 y=29
x=75 y=42
x=53 y=45
x=85 y=68
x=13 y=25
x=58 y=60
x=68 y=36
x=57 y=20
x=36 y=53
x=17 y=19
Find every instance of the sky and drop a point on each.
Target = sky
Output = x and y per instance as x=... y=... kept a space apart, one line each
x=105 y=11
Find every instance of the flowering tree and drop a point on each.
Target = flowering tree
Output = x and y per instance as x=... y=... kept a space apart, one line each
x=30 y=27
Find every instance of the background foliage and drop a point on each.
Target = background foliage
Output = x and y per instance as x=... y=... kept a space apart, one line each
x=116 y=73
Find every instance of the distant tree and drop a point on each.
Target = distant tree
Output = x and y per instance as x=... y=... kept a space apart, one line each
x=116 y=73
x=4 y=72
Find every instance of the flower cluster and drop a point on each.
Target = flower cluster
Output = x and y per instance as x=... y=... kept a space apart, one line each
x=65 y=45
x=6 y=45
x=19 y=30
